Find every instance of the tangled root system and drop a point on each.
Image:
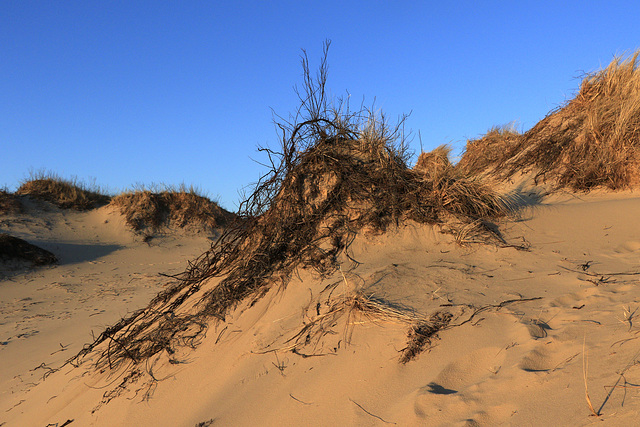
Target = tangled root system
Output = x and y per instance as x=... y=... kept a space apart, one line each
x=336 y=174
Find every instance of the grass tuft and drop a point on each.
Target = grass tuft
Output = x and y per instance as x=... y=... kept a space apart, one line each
x=449 y=189
x=490 y=151
x=66 y=194
x=180 y=207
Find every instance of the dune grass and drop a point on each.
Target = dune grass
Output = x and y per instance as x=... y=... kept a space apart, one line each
x=152 y=208
x=490 y=151
x=451 y=189
x=144 y=208
x=64 y=193
x=592 y=141
x=595 y=139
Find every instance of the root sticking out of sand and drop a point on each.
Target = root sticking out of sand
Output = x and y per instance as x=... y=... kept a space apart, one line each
x=337 y=173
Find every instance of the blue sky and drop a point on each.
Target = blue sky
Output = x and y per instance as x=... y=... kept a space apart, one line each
x=142 y=92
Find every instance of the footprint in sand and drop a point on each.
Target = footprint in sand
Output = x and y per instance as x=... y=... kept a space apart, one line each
x=629 y=246
x=537 y=328
x=577 y=299
x=549 y=356
x=454 y=389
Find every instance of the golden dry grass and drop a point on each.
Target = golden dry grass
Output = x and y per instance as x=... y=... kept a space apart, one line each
x=450 y=189
x=592 y=141
x=66 y=194
x=490 y=151
x=181 y=207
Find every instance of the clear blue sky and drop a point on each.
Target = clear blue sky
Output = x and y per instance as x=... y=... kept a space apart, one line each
x=126 y=92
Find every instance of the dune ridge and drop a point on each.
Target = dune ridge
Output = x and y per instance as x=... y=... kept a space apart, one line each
x=352 y=289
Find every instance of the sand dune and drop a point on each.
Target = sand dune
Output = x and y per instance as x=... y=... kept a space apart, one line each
x=104 y=272
x=351 y=289
x=514 y=363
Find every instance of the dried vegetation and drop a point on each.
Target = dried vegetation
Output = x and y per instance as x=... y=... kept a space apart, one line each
x=489 y=152
x=592 y=141
x=143 y=209
x=453 y=191
x=337 y=173
x=66 y=194
x=182 y=208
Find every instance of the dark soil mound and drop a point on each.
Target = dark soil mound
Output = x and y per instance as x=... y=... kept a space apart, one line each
x=13 y=248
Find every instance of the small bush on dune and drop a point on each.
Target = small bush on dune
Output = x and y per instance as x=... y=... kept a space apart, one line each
x=180 y=207
x=490 y=151
x=66 y=194
x=9 y=203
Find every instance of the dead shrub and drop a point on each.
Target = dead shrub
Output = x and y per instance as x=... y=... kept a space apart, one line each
x=66 y=194
x=335 y=174
x=422 y=334
x=180 y=208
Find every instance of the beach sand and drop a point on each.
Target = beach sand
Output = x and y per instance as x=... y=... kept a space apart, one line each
x=534 y=322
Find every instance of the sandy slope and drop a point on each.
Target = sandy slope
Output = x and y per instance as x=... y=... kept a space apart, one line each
x=515 y=363
x=104 y=272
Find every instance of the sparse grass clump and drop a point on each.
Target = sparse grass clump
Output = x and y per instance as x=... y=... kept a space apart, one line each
x=13 y=248
x=66 y=194
x=180 y=207
x=450 y=190
x=9 y=203
x=490 y=151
